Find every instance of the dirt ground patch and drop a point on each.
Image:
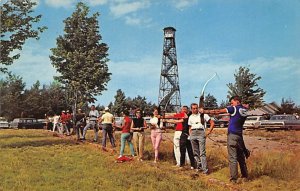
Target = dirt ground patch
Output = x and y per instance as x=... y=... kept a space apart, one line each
x=261 y=140
x=257 y=140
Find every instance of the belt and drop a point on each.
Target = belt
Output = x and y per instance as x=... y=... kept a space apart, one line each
x=200 y=129
x=234 y=133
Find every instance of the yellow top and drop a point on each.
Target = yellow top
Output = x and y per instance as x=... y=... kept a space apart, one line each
x=107 y=118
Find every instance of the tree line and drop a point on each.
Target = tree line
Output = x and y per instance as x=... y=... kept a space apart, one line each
x=39 y=100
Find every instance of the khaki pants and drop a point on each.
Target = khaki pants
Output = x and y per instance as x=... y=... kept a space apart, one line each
x=139 y=142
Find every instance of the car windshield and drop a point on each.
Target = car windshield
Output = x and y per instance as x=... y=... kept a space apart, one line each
x=2 y=119
x=225 y=117
x=279 y=117
x=251 y=118
x=118 y=118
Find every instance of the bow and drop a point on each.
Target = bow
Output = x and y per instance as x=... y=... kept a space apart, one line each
x=201 y=100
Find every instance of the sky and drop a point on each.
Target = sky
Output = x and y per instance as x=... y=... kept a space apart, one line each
x=212 y=36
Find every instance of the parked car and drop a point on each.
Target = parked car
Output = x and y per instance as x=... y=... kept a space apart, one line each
x=26 y=123
x=216 y=121
x=3 y=123
x=223 y=120
x=286 y=122
x=147 y=119
x=253 y=122
x=118 y=122
x=44 y=121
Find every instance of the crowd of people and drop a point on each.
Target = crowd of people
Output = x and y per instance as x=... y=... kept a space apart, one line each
x=189 y=136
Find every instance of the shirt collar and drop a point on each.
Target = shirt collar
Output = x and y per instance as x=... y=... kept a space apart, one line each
x=195 y=114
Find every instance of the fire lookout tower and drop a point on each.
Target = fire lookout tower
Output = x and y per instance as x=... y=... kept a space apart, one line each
x=169 y=92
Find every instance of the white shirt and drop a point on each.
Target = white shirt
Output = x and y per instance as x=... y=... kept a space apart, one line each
x=195 y=121
x=93 y=115
x=154 y=121
x=56 y=119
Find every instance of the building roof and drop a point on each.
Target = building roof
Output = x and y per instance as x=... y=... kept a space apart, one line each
x=270 y=108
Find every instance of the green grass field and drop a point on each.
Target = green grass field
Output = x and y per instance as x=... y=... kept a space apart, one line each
x=37 y=160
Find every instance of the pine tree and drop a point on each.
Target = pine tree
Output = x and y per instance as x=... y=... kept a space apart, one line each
x=11 y=96
x=223 y=104
x=81 y=58
x=32 y=102
x=246 y=87
x=210 y=101
x=287 y=106
x=120 y=103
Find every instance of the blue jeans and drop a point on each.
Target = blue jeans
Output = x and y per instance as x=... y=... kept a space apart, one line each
x=126 y=137
x=91 y=124
x=107 y=129
x=198 y=141
x=79 y=129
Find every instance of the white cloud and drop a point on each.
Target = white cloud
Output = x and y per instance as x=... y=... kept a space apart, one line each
x=133 y=20
x=97 y=2
x=280 y=77
x=181 y=4
x=139 y=77
x=60 y=3
x=129 y=11
x=123 y=8
x=34 y=64
x=69 y=3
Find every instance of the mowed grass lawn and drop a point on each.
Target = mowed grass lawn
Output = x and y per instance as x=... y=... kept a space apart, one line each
x=37 y=160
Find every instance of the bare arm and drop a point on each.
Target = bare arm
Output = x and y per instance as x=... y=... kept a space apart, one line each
x=100 y=119
x=145 y=125
x=173 y=120
x=132 y=125
x=215 y=111
x=212 y=125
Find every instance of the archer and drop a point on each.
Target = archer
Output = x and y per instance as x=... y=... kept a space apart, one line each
x=235 y=141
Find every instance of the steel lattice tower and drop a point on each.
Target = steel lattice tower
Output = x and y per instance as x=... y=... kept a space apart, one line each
x=169 y=92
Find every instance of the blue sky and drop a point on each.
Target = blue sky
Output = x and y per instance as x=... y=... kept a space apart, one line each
x=212 y=36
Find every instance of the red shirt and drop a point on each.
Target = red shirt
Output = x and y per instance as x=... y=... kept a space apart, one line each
x=127 y=124
x=69 y=116
x=179 y=126
x=64 y=118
